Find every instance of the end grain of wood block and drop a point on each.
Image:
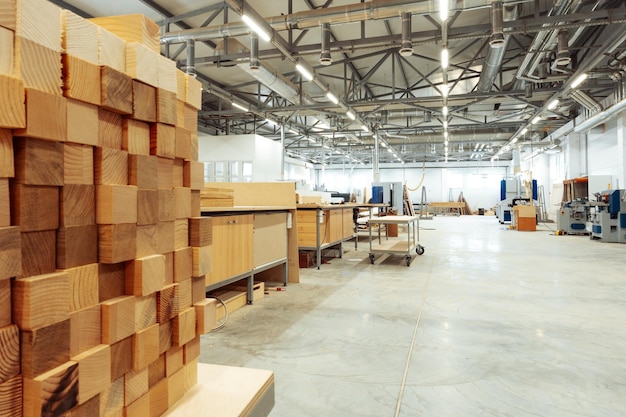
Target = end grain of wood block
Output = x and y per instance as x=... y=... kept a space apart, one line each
x=46 y=116
x=182 y=234
x=194 y=92
x=83 y=286
x=167 y=76
x=145 y=311
x=145 y=347
x=200 y=231
x=166 y=333
x=147 y=241
x=180 y=114
x=132 y=28
x=196 y=199
x=121 y=360
x=191 y=374
x=118 y=319
x=142 y=63
x=111 y=50
x=144 y=102
x=78 y=160
x=10 y=252
x=85 y=329
x=137 y=138
x=45 y=348
x=182 y=196
x=178 y=173
x=139 y=408
x=41 y=300
x=191 y=119
x=206 y=315
x=11 y=397
x=94 y=371
x=112 y=399
x=52 y=393
x=174 y=360
x=202 y=260
x=12 y=105
x=117 y=242
x=116 y=204
x=110 y=166
x=183 y=143
x=167 y=204
x=7 y=164
x=194 y=175
x=181 y=85
x=110 y=129
x=35 y=207
x=78 y=205
x=81 y=80
x=147 y=208
x=7 y=42
x=176 y=387
x=38 y=66
x=163 y=140
x=39 y=22
x=184 y=294
x=10 y=348
x=165 y=173
x=165 y=236
x=38 y=253
x=76 y=246
x=82 y=119
x=80 y=37
x=198 y=289
x=166 y=106
x=167 y=303
x=110 y=281
x=135 y=385
x=156 y=371
x=116 y=90
x=169 y=268
x=38 y=162
x=142 y=170
x=183 y=264
x=89 y=409
x=5 y=302
x=184 y=327
x=5 y=203
x=159 y=398
x=195 y=143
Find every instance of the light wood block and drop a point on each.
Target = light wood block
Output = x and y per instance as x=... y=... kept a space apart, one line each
x=183 y=143
x=85 y=329
x=133 y=28
x=176 y=387
x=195 y=203
x=110 y=281
x=12 y=105
x=174 y=361
x=41 y=300
x=147 y=241
x=142 y=64
x=183 y=264
x=121 y=359
x=112 y=399
x=198 y=289
x=78 y=161
x=135 y=385
x=200 y=231
x=194 y=175
x=146 y=275
x=191 y=122
x=38 y=66
x=139 y=408
x=111 y=50
x=7 y=41
x=11 y=396
x=165 y=236
x=116 y=204
x=38 y=253
x=81 y=79
x=5 y=203
x=145 y=347
x=182 y=202
x=184 y=294
x=82 y=122
x=89 y=409
x=45 y=348
x=136 y=138
x=169 y=268
x=52 y=393
x=166 y=105
x=35 y=207
x=156 y=371
x=167 y=303
x=117 y=242
x=111 y=166
x=195 y=145
x=180 y=113
x=194 y=92
x=191 y=375
x=145 y=311
x=163 y=140
x=165 y=173
x=167 y=76
x=184 y=327
x=147 y=207
x=181 y=86
x=234 y=300
x=159 y=399
x=110 y=129
x=143 y=171
x=202 y=260
x=46 y=116
x=181 y=237
x=167 y=205
x=38 y=162
x=40 y=22
x=116 y=91
x=5 y=302
x=76 y=246
x=144 y=102
x=10 y=348
x=80 y=37
x=83 y=286
x=118 y=319
x=166 y=332
x=206 y=315
x=191 y=350
x=7 y=168
x=78 y=205
x=94 y=371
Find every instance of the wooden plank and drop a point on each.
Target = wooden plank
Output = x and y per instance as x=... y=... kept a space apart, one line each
x=184 y=328
x=145 y=347
x=110 y=166
x=38 y=253
x=194 y=175
x=112 y=399
x=166 y=332
x=133 y=28
x=5 y=203
x=52 y=393
x=76 y=246
x=46 y=116
x=85 y=329
x=195 y=203
x=198 y=289
x=135 y=385
x=81 y=79
x=94 y=371
x=202 y=260
x=191 y=350
x=35 y=207
x=167 y=77
x=163 y=140
x=136 y=138
x=194 y=92
x=110 y=281
x=147 y=207
x=142 y=64
x=167 y=204
x=183 y=264
x=80 y=37
x=147 y=242
x=169 y=268
x=167 y=303
x=11 y=396
x=90 y=408
x=184 y=294
x=165 y=173
x=145 y=311
x=40 y=22
x=281 y=194
x=166 y=105
x=116 y=90
x=143 y=171
x=139 y=408
x=165 y=236
x=44 y=348
x=156 y=371
x=206 y=315
x=111 y=50
x=118 y=319
x=7 y=169
x=10 y=348
x=144 y=102
x=78 y=160
x=182 y=198
x=116 y=204
x=38 y=66
x=174 y=361
x=43 y=300
x=121 y=359
x=38 y=162
x=181 y=238
x=110 y=129
x=81 y=119
x=183 y=143
x=200 y=231
x=12 y=105
x=77 y=205
x=234 y=300
x=5 y=302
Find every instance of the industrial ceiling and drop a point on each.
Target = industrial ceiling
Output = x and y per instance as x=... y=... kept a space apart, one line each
x=513 y=75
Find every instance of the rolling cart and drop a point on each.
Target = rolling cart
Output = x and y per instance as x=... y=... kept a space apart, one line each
x=397 y=247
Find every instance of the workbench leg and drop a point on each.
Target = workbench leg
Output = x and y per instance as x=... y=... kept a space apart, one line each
x=250 y=294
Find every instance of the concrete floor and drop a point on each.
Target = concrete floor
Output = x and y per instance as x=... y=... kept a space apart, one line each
x=488 y=322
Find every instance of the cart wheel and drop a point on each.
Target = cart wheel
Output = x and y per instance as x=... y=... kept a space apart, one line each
x=408 y=260
x=419 y=250
x=372 y=258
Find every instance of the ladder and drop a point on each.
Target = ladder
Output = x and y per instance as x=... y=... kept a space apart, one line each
x=541 y=201
x=424 y=206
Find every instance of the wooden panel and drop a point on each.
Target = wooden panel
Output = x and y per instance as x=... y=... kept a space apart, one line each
x=281 y=194
x=78 y=161
x=44 y=348
x=80 y=37
x=147 y=241
x=135 y=385
x=5 y=302
x=184 y=294
x=184 y=327
x=146 y=275
x=174 y=361
x=206 y=315
x=38 y=162
x=202 y=260
x=198 y=290
x=46 y=116
x=110 y=129
x=165 y=336
x=158 y=399
x=167 y=205
x=137 y=138
x=201 y=231
x=165 y=173
x=116 y=90
x=52 y=393
x=176 y=387
x=38 y=253
x=270 y=237
x=41 y=300
x=85 y=329
x=191 y=350
x=132 y=28
x=145 y=311
x=116 y=204
x=182 y=234
x=76 y=246
x=112 y=399
x=144 y=102
x=118 y=319
x=112 y=50
x=183 y=143
x=111 y=281
x=11 y=396
x=83 y=286
x=145 y=347
x=156 y=371
x=167 y=303
x=5 y=203
x=39 y=22
x=81 y=79
x=10 y=348
x=147 y=207
x=81 y=119
x=94 y=371
x=166 y=104
x=183 y=264
x=12 y=107
x=121 y=359
x=165 y=236
x=163 y=140
x=194 y=175
x=110 y=166
x=194 y=92
x=35 y=207
x=38 y=66
x=78 y=205
x=143 y=171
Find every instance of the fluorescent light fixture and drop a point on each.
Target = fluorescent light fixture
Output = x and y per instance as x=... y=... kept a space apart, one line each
x=582 y=77
x=524 y=131
x=514 y=141
x=445 y=124
x=270 y=122
x=553 y=104
x=445 y=135
x=536 y=120
x=445 y=58
x=332 y=97
x=294 y=131
x=239 y=106
x=384 y=144
x=256 y=28
x=443 y=10
x=444 y=110
x=444 y=90
x=305 y=73
x=351 y=115
x=365 y=128
x=445 y=143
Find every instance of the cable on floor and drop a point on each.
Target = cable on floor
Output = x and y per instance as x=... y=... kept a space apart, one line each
x=223 y=323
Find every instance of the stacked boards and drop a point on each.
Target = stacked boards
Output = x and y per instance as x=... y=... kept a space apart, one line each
x=100 y=310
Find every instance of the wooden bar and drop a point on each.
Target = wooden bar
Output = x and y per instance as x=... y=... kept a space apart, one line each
x=156 y=371
x=145 y=311
x=11 y=397
x=139 y=408
x=10 y=348
x=43 y=300
x=163 y=140
x=183 y=143
x=165 y=236
x=39 y=21
x=184 y=294
x=7 y=45
x=44 y=348
x=116 y=90
x=85 y=329
x=116 y=204
x=166 y=332
x=46 y=116
x=135 y=385
x=147 y=207
x=35 y=207
x=110 y=166
x=38 y=162
x=78 y=205
x=78 y=164
x=183 y=264
x=167 y=204
x=7 y=164
x=111 y=50
x=136 y=138
x=88 y=409
x=182 y=234
x=169 y=268
x=112 y=399
x=202 y=260
x=38 y=253
x=206 y=315
x=110 y=129
x=145 y=347
x=167 y=303
x=184 y=327
x=132 y=28
x=167 y=76
x=121 y=360
x=146 y=275
x=144 y=102
x=5 y=203
x=194 y=92
x=142 y=171
x=118 y=319
x=5 y=302
x=191 y=350
x=94 y=371
x=80 y=37
x=182 y=198
x=38 y=66
x=165 y=173
x=76 y=246
x=110 y=281
x=142 y=63
x=194 y=175
x=81 y=119
x=147 y=241
x=12 y=106
x=166 y=105
x=198 y=289
x=200 y=231
x=159 y=398
x=52 y=393
x=83 y=286
x=81 y=79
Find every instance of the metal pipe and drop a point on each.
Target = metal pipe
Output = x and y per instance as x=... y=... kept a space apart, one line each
x=325 y=58
x=406 y=48
x=191 y=57
x=562 y=54
x=282 y=153
x=586 y=101
x=497 y=47
x=497 y=34
x=255 y=64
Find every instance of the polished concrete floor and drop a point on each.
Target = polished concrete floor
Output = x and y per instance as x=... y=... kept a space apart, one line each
x=488 y=322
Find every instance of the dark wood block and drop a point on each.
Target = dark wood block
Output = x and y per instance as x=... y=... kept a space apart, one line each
x=76 y=246
x=10 y=252
x=116 y=91
x=78 y=205
x=38 y=162
x=200 y=231
x=45 y=348
x=35 y=207
x=38 y=253
x=116 y=242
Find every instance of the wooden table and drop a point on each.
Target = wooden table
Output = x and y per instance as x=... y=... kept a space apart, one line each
x=396 y=246
x=446 y=207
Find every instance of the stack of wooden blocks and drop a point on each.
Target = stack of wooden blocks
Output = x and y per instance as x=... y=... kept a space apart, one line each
x=102 y=299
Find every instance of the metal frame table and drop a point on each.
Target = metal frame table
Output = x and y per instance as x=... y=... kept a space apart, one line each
x=397 y=247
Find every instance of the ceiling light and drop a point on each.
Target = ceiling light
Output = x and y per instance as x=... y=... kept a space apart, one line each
x=443 y=10
x=445 y=135
x=256 y=28
x=325 y=58
x=524 y=131
x=444 y=90
x=582 y=77
x=553 y=104
x=444 y=110
x=444 y=58
x=514 y=141
x=536 y=120
x=351 y=115
x=239 y=106
x=270 y=122
x=445 y=124
x=305 y=73
x=365 y=128
x=332 y=97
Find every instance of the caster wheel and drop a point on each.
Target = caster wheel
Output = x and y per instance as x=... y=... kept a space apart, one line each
x=372 y=259
x=408 y=261
x=420 y=250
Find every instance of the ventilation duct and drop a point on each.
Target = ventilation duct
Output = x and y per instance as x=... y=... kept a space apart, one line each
x=586 y=101
x=406 y=49
x=562 y=55
x=255 y=64
x=191 y=57
x=497 y=34
x=325 y=58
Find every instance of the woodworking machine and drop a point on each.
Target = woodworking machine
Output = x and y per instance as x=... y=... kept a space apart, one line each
x=608 y=222
x=573 y=217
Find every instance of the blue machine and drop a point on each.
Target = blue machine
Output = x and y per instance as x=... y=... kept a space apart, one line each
x=609 y=220
x=572 y=218
x=510 y=195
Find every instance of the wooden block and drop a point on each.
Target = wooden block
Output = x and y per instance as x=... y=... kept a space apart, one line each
x=167 y=303
x=139 y=408
x=38 y=66
x=110 y=281
x=146 y=275
x=200 y=231
x=198 y=289
x=89 y=409
x=78 y=161
x=38 y=162
x=41 y=300
x=80 y=37
x=11 y=396
x=195 y=146
x=45 y=348
x=194 y=92
x=165 y=236
x=191 y=350
x=180 y=113
x=7 y=42
x=184 y=326
x=82 y=119
x=202 y=262
x=85 y=329
x=12 y=105
x=5 y=302
x=81 y=79
x=163 y=140
x=169 y=268
x=167 y=76
x=10 y=348
x=83 y=286
x=178 y=173
x=147 y=243
x=116 y=204
x=166 y=105
x=147 y=208
x=133 y=28
x=145 y=311
x=111 y=50
x=181 y=237
x=183 y=143
x=94 y=371
x=136 y=138
x=184 y=294
x=117 y=242
x=206 y=315
x=78 y=205
x=7 y=169
x=144 y=102
x=38 y=253
x=194 y=175
x=181 y=86
x=39 y=22
x=116 y=91
x=121 y=359
x=167 y=205
x=5 y=203
x=166 y=332
x=110 y=129
x=35 y=207
x=183 y=264
x=142 y=63
x=52 y=393
x=112 y=399
x=195 y=203
x=111 y=166
x=174 y=361
x=176 y=387
x=158 y=399
x=118 y=319
x=156 y=371
x=46 y=116
x=191 y=375
x=182 y=202
x=145 y=347
x=165 y=173
x=76 y=246
x=143 y=171
x=135 y=385
x=191 y=120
